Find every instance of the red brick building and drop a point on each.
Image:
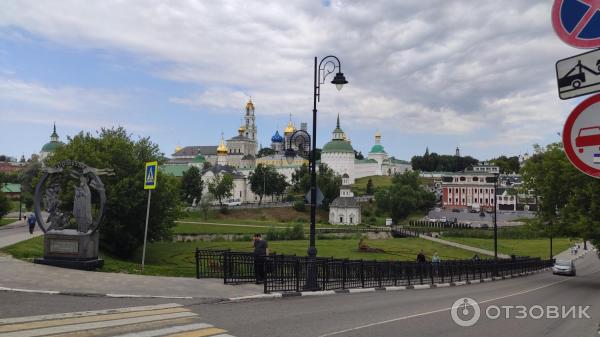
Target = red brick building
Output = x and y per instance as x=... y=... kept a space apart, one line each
x=9 y=167
x=468 y=190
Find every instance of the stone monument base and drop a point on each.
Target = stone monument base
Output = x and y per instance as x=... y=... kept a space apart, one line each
x=69 y=248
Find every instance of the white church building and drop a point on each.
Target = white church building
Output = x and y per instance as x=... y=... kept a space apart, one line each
x=338 y=154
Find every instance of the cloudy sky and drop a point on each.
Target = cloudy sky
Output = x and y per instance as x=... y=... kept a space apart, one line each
x=474 y=74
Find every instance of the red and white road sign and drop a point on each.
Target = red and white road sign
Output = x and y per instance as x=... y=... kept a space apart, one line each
x=577 y=22
x=581 y=136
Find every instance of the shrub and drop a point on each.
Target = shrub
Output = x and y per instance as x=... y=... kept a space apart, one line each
x=300 y=206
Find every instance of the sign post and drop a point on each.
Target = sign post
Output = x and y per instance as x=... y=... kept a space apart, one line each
x=581 y=136
x=149 y=184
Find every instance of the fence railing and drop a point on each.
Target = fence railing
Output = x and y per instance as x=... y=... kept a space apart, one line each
x=289 y=273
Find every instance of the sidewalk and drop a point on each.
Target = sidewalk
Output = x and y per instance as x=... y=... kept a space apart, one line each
x=465 y=247
x=16 y=274
x=568 y=256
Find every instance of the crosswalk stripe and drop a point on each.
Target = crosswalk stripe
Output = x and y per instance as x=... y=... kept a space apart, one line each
x=166 y=331
x=223 y=335
x=95 y=325
x=78 y=320
x=86 y=313
x=199 y=333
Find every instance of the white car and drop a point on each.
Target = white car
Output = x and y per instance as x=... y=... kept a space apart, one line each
x=443 y=219
x=234 y=202
x=433 y=220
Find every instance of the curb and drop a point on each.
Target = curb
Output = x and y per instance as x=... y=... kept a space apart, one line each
x=392 y=288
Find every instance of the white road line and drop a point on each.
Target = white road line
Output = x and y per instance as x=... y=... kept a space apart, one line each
x=87 y=313
x=441 y=310
x=223 y=335
x=49 y=292
x=167 y=331
x=96 y=325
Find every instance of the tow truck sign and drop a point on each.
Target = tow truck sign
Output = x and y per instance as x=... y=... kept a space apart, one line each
x=581 y=136
x=578 y=75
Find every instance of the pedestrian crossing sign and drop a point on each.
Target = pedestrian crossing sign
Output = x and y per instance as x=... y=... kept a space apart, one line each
x=150 y=176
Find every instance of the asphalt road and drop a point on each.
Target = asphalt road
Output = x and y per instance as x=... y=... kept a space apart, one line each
x=404 y=313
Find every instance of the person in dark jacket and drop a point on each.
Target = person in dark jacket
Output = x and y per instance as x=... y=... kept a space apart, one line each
x=261 y=250
x=421 y=257
x=31 y=222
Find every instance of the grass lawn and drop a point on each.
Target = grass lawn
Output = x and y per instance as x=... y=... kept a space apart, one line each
x=275 y=215
x=177 y=259
x=520 y=247
x=6 y=221
x=360 y=185
x=195 y=226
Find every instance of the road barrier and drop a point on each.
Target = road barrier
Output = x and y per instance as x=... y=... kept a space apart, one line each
x=289 y=273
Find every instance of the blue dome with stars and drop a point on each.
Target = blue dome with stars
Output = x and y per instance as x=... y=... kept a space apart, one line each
x=277 y=138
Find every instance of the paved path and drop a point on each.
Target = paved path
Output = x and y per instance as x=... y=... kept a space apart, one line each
x=465 y=247
x=24 y=275
x=567 y=255
x=16 y=232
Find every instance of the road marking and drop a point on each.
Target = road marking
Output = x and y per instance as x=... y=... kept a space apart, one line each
x=96 y=325
x=165 y=331
x=87 y=313
x=199 y=333
x=89 y=319
x=402 y=318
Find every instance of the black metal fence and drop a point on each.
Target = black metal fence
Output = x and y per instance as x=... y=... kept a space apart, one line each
x=288 y=273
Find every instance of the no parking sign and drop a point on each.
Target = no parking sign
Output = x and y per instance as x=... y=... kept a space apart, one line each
x=581 y=136
x=577 y=22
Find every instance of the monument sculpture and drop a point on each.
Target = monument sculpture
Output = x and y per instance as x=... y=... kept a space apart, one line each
x=71 y=237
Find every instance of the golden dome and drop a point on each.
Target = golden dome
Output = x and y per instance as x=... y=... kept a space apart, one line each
x=242 y=129
x=290 y=128
x=222 y=149
x=250 y=105
x=178 y=148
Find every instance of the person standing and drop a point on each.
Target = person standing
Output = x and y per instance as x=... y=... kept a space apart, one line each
x=435 y=262
x=31 y=222
x=421 y=257
x=261 y=250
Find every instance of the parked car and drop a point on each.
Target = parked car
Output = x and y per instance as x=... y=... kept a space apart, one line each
x=433 y=220
x=443 y=219
x=482 y=214
x=564 y=268
x=473 y=211
x=233 y=202
x=456 y=210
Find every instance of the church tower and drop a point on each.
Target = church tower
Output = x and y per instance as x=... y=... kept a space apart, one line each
x=250 y=120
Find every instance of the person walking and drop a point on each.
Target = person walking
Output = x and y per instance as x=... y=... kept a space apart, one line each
x=421 y=257
x=435 y=263
x=31 y=222
x=261 y=250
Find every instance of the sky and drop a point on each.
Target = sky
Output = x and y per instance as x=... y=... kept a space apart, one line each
x=439 y=74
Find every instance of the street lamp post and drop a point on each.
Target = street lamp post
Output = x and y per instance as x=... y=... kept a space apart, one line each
x=327 y=66
x=496 y=177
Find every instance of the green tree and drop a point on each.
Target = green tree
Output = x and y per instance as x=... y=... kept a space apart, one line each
x=447 y=163
x=221 y=187
x=568 y=200
x=370 y=187
x=122 y=228
x=28 y=178
x=191 y=185
x=507 y=164
x=4 y=204
x=265 y=151
x=265 y=180
x=204 y=204
x=327 y=180
x=404 y=196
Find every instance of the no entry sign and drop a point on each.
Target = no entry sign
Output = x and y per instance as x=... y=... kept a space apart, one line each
x=581 y=136
x=577 y=22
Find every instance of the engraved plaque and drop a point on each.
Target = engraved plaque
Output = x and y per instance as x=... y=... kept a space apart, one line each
x=64 y=246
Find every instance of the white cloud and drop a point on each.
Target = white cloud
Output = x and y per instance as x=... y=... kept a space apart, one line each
x=423 y=66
